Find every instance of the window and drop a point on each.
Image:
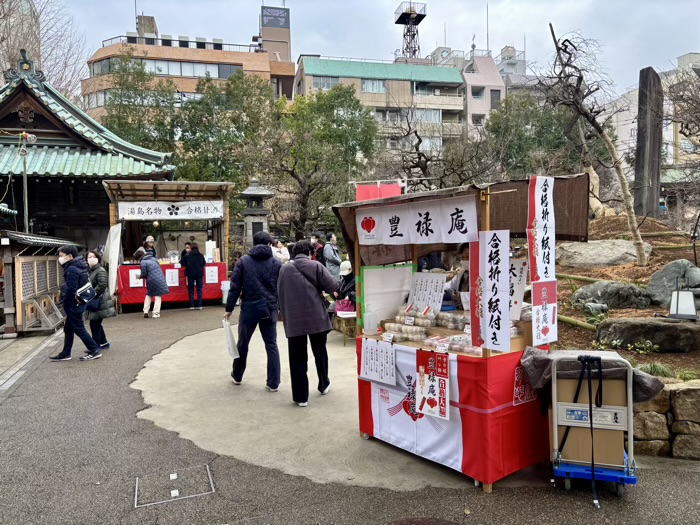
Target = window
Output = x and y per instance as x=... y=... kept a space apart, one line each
x=187 y=69
x=421 y=88
x=427 y=116
x=174 y=69
x=161 y=67
x=200 y=70
x=166 y=42
x=495 y=98
x=373 y=86
x=184 y=43
x=687 y=146
x=325 y=83
x=431 y=144
x=478 y=92
x=226 y=70
x=213 y=70
x=478 y=120
x=150 y=66
x=201 y=45
x=379 y=115
x=393 y=142
x=100 y=96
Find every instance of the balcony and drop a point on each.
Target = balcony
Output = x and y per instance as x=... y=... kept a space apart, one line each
x=214 y=44
x=450 y=101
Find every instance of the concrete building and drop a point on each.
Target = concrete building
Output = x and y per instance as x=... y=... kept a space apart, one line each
x=483 y=86
x=406 y=92
x=186 y=60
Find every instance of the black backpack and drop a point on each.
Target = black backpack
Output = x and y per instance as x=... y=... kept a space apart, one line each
x=320 y=257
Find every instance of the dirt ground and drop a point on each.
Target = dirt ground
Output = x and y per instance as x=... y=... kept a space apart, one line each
x=571 y=337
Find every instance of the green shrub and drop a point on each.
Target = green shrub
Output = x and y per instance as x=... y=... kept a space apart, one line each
x=657 y=369
x=687 y=375
x=643 y=347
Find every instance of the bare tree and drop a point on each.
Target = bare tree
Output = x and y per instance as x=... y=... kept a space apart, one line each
x=575 y=81
x=48 y=32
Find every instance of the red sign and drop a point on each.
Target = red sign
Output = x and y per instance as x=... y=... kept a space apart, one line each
x=368 y=192
x=432 y=390
x=475 y=293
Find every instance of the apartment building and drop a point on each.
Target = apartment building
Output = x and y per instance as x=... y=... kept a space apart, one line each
x=401 y=94
x=483 y=86
x=186 y=60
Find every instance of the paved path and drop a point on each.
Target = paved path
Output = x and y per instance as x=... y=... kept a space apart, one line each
x=72 y=445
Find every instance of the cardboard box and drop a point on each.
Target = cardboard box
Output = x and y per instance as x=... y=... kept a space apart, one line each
x=609 y=444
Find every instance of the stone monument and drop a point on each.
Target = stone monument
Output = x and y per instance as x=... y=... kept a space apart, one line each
x=647 y=163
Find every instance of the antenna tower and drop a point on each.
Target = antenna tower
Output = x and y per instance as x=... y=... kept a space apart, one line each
x=409 y=15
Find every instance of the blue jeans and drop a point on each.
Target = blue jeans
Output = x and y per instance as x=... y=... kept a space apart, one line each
x=190 y=288
x=73 y=326
x=268 y=329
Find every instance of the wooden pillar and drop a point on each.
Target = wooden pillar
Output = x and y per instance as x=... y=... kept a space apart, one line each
x=112 y=214
x=9 y=309
x=485 y=226
x=359 y=285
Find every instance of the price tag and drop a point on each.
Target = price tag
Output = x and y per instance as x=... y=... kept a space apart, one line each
x=388 y=338
x=442 y=347
x=410 y=321
x=468 y=329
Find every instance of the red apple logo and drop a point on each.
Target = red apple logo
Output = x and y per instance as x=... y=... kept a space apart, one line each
x=432 y=403
x=545 y=330
x=368 y=224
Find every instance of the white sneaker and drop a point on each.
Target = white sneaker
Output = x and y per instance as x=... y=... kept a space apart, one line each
x=271 y=389
x=191 y=307
x=328 y=389
x=303 y=404
x=155 y=316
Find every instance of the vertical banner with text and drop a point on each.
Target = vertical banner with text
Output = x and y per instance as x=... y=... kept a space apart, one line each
x=495 y=277
x=433 y=388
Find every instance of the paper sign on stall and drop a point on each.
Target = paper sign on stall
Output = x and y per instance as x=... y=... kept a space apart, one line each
x=172 y=277
x=541 y=229
x=449 y=221
x=134 y=279
x=475 y=290
x=378 y=362
x=211 y=275
x=464 y=296
x=433 y=388
x=495 y=313
x=544 y=312
x=518 y=279
x=427 y=290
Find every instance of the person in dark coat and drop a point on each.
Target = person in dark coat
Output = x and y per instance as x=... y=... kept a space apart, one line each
x=254 y=279
x=194 y=270
x=156 y=286
x=185 y=253
x=75 y=275
x=300 y=285
x=99 y=278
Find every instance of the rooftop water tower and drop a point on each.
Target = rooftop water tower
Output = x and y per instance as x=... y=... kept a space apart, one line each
x=409 y=15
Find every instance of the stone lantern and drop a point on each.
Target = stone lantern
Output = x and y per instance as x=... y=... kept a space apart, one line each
x=255 y=214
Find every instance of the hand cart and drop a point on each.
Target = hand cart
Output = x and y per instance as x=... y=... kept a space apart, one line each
x=603 y=417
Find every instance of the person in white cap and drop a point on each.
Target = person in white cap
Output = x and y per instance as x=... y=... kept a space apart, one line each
x=347 y=287
x=149 y=245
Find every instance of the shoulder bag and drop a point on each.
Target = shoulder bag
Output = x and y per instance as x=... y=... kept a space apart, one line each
x=326 y=303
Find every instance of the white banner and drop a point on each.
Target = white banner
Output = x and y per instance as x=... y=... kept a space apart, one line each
x=161 y=210
x=544 y=313
x=494 y=268
x=518 y=279
x=451 y=221
x=541 y=229
x=378 y=362
x=427 y=289
x=397 y=420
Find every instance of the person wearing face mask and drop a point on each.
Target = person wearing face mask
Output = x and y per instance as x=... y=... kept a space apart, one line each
x=460 y=283
x=99 y=278
x=149 y=246
x=75 y=275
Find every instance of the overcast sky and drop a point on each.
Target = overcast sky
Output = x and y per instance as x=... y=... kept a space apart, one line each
x=634 y=33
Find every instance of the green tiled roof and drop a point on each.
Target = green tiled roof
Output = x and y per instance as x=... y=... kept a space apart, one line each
x=112 y=155
x=76 y=162
x=325 y=67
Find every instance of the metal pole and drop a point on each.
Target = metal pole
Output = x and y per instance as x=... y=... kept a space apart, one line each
x=25 y=195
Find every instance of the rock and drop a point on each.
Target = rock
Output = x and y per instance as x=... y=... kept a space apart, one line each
x=652 y=448
x=686 y=404
x=670 y=380
x=593 y=309
x=693 y=382
x=686 y=447
x=686 y=427
x=650 y=426
x=660 y=404
x=663 y=282
x=613 y=294
x=669 y=418
x=597 y=253
x=671 y=335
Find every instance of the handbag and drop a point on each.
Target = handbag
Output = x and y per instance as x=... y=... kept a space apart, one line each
x=94 y=304
x=344 y=305
x=85 y=293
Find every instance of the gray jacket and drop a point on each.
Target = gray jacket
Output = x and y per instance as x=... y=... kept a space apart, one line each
x=332 y=256
x=299 y=290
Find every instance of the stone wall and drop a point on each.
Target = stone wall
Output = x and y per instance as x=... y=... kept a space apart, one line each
x=669 y=425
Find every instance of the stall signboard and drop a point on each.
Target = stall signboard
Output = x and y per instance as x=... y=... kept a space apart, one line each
x=170 y=210
x=172 y=277
x=540 y=229
x=475 y=287
x=544 y=312
x=518 y=279
x=433 y=387
x=495 y=271
x=378 y=362
x=211 y=275
x=427 y=290
x=450 y=221
x=135 y=280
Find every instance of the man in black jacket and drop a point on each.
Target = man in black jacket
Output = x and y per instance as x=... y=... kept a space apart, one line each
x=254 y=279
x=194 y=270
x=75 y=275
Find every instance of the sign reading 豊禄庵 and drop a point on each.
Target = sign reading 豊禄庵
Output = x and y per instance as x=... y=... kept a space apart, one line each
x=450 y=221
x=162 y=210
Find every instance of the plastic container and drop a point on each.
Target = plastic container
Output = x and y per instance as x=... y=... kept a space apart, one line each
x=225 y=286
x=370 y=322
